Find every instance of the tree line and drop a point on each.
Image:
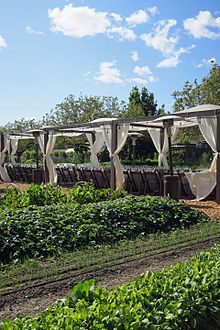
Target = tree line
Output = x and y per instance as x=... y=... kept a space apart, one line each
x=141 y=102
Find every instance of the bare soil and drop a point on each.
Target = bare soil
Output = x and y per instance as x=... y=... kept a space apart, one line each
x=33 y=299
x=30 y=300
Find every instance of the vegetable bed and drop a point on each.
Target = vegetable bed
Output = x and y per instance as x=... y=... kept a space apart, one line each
x=185 y=296
x=42 y=231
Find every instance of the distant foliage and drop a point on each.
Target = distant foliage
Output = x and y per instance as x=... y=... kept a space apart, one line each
x=75 y=110
x=142 y=103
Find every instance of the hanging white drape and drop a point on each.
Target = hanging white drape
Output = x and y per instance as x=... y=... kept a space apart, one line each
x=3 y=171
x=95 y=147
x=122 y=134
x=203 y=183
x=14 y=148
x=49 y=148
x=162 y=147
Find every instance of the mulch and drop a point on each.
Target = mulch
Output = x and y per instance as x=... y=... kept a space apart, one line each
x=211 y=208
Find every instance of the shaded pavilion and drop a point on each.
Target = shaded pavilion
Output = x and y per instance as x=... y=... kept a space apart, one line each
x=113 y=133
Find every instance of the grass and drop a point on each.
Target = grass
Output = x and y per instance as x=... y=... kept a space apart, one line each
x=30 y=271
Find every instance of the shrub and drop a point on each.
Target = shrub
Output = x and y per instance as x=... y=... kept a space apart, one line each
x=42 y=231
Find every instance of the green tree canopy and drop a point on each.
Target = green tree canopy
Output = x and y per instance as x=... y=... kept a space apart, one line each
x=192 y=94
x=142 y=103
x=84 y=109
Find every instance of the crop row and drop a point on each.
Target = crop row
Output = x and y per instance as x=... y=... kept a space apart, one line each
x=42 y=195
x=185 y=296
x=43 y=231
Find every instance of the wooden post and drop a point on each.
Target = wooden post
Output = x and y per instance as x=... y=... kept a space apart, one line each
x=113 y=148
x=46 y=172
x=170 y=150
x=93 y=138
x=2 y=141
x=218 y=160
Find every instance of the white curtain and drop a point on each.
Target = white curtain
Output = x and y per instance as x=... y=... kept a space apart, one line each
x=203 y=183
x=49 y=148
x=3 y=171
x=122 y=134
x=95 y=147
x=14 y=148
x=162 y=147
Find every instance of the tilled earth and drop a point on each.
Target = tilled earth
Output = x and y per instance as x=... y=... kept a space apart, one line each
x=32 y=299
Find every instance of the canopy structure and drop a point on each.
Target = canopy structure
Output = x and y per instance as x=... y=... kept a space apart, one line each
x=113 y=133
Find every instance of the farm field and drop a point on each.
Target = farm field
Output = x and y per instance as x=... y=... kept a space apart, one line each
x=29 y=285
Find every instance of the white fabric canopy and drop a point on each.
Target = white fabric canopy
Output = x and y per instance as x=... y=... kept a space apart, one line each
x=122 y=134
x=14 y=148
x=3 y=171
x=162 y=147
x=49 y=148
x=95 y=147
x=203 y=183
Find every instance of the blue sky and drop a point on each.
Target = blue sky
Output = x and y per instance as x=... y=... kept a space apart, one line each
x=52 y=48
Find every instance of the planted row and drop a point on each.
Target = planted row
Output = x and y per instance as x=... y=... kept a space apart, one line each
x=42 y=195
x=185 y=296
x=42 y=231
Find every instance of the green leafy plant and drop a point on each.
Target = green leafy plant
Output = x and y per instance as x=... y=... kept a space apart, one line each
x=185 y=296
x=42 y=231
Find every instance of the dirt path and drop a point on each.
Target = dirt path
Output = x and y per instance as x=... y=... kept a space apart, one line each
x=31 y=300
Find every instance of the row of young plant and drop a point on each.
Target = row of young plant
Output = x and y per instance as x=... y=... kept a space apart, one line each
x=48 y=194
x=185 y=296
x=42 y=231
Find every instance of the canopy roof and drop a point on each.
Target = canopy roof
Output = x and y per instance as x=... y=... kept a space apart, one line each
x=201 y=111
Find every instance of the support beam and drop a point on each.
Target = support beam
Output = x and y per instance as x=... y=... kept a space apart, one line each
x=170 y=150
x=218 y=160
x=2 y=142
x=46 y=171
x=114 y=139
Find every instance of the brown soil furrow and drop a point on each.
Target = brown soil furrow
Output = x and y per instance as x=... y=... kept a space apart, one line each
x=30 y=300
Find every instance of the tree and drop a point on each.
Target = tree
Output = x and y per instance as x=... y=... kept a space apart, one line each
x=142 y=104
x=149 y=105
x=134 y=104
x=22 y=125
x=193 y=94
x=208 y=91
x=84 y=109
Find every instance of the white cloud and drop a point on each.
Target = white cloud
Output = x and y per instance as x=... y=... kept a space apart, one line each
x=141 y=81
x=206 y=62
x=138 y=81
x=30 y=30
x=134 y=56
x=142 y=70
x=200 y=25
x=174 y=59
x=116 y=17
x=78 y=21
x=109 y=73
x=138 y=17
x=123 y=32
x=168 y=62
x=2 y=42
x=159 y=38
x=153 y=10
